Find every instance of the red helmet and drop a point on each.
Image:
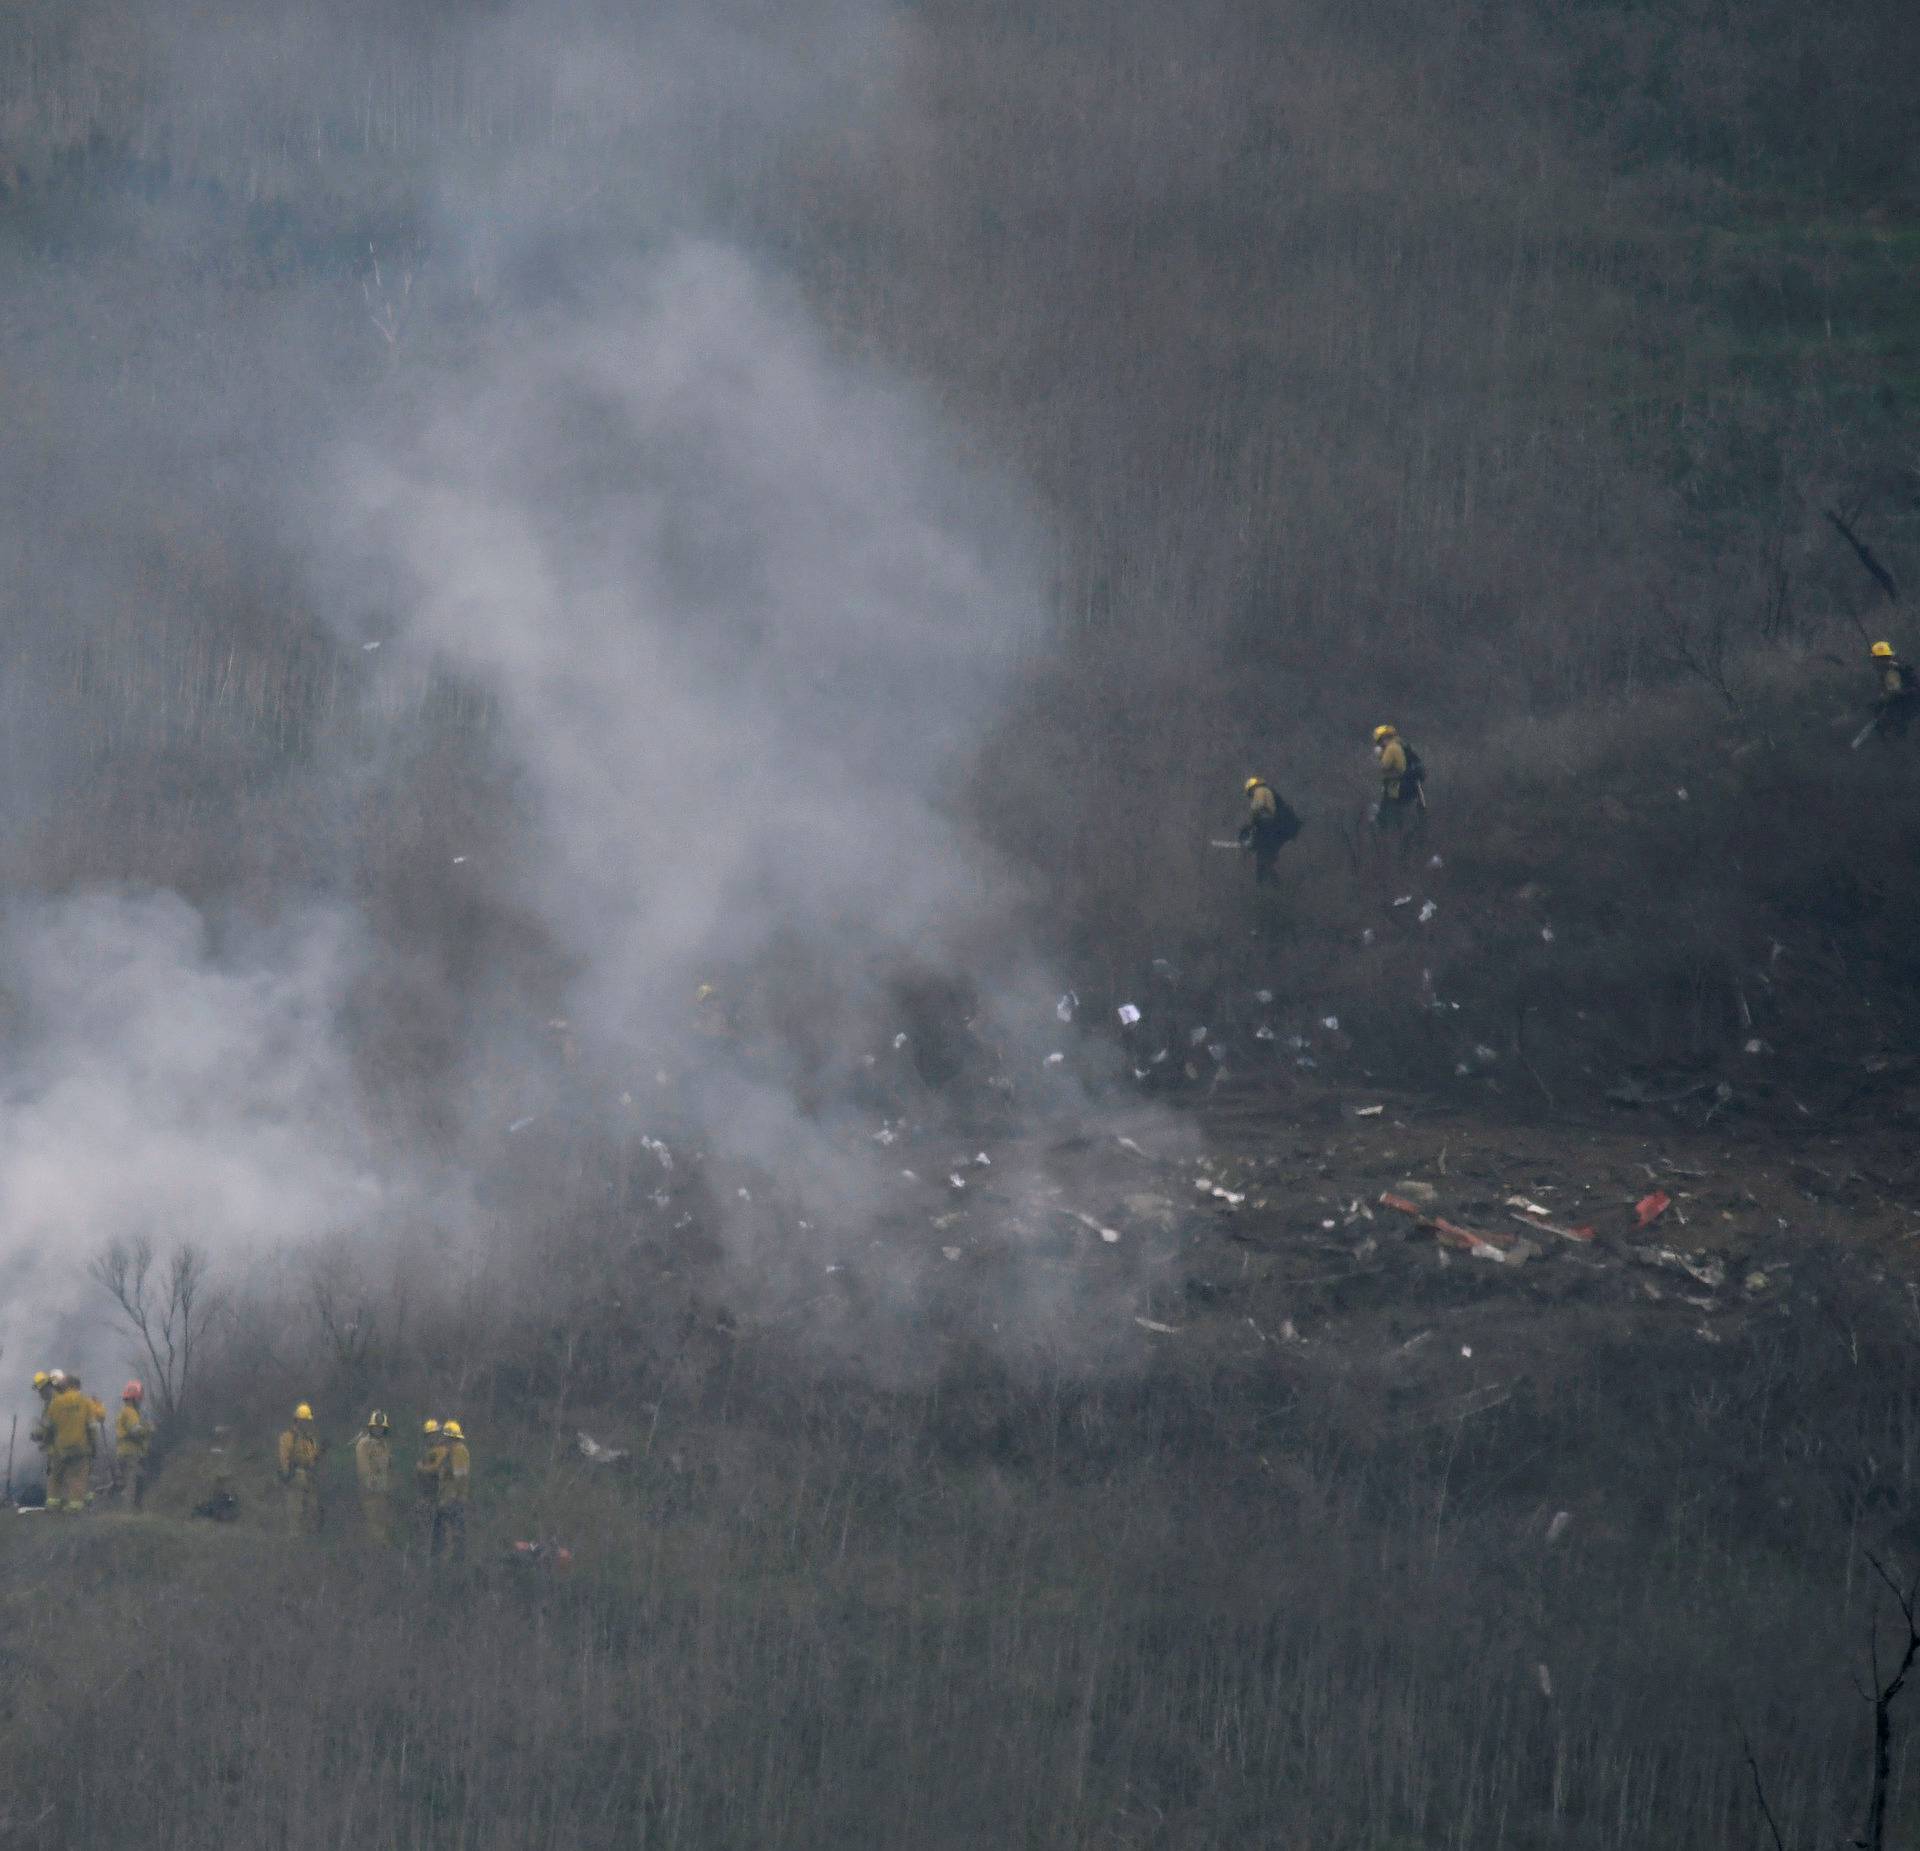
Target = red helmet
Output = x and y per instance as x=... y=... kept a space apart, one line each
x=132 y=1392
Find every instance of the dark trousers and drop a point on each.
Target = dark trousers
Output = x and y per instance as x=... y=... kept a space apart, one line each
x=449 y=1532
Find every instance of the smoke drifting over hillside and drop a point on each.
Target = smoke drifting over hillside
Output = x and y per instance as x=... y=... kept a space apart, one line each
x=733 y=624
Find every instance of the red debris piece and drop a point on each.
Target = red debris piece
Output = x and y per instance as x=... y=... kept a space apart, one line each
x=1650 y=1208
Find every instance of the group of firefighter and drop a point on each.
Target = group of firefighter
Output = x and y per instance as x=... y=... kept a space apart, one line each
x=71 y=1432
x=1400 y=809
x=442 y=1477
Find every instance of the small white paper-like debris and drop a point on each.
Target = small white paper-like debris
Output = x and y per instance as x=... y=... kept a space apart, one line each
x=1436 y=862
x=1485 y=1054
x=1065 y=1007
x=368 y=648
x=1546 y=935
x=1161 y=1330
x=1055 y=1060
x=1369 y=1111
x=886 y=1135
x=957 y=1180
x=1406 y=899
x=981 y=1161
x=1558 y=1527
x=1427 y=912
x=1128 y=1015
x=1366 y=937
x=1218 y=1049
x=660 y=1151
x=952 y=1253
x=458 y=859
x=595 y=1453
x=908 y=1176
x=1331 y=1023
x=1466 y=1349
x=1208 y=1187
x=746 y=1195
x=899 y=1041
x=1196 y=1036
x=520 y=1124
x=1329 y=1224
x=1111 y=1236
x=1524 y=1206
x=1681 y=794
x=1756 y=1046
x=1263 y=996
x=1544 y=1678
x=1129 y=1144
x=1264 y=1032
x=1158 y=1058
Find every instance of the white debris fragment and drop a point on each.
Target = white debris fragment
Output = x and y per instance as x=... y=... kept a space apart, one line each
x=1466 y=1349
x=1436 y=862
x=1546 y=935
x=1065 y=1007
x=660 y=1151
x=1218 y=1049
x=1485 y=1055
x=1264 y=1032
x=1331 y=1023
x=1129 y=1144
x=1263 y=996
x=909 y=1176
x=1196 y=1036
x=1544 y=1678
x=1128 y=1015
x=368 y=648
x=458 y=859
x=1558 y=1527
x=595 y=1453
x=886 y=1135
x=1366 y=937
x=746 y=1195
x=981 y=1161
x=952 y=1253
x=1055 y=1060
x=1406 y=899
x=1756 y=1046
x=1681 y=794
x=1208 y=1187
x=899 y=1041
x=1110 y=1235
x=1427 y=912
x=1369 y=1111
x=956 y=1180
x=1161 y=1330
x=520 y=1124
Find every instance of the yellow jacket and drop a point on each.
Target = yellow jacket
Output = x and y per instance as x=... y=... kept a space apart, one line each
x=456 y=1467
x=299 y=1451
x=131 y=1433
x=1393 y=767
x=70 y=1418
x=373 y=1462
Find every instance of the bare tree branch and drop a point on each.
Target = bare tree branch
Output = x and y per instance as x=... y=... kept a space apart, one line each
x=1864 y=553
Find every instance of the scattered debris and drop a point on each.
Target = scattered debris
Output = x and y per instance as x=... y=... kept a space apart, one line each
x=1423 y=1195
x=956 y=1180
x=1707 y=1272
x=886 y=1135
x=1427 y=912
x=1406 y=899
x=1369 y=1111
x=1129 y=1015
x=1110 y=1235
x=520 y=1124
x=1544 y=1678
x=952 y=1253
x=1501 y=1248
x=1208 y=1187
x=1331 y=1023
x=1531 y=1214
x=1161 y=1330
x=1263 y=996
x=1546 y=935
x=1065 y=1007
x=1651 y=1207
x=1055 y=1060
x=595 y=1453
x=1562 y=1520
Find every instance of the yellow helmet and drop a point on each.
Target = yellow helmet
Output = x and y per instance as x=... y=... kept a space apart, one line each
x=705 y=993
x=430 y=1426
x=41 y=1378
x=1882 y=649
x=377 y=1422
x=1253 y=784
x=1382 y=732
x=303 y=1412
x=452 y=1430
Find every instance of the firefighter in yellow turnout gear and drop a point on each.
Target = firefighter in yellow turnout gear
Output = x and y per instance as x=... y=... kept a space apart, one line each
x=299 y=1472
x=71 y=1420
x=46 y=1384
x=450 y=1494
x=132 y=1441
x=1402 y=808
x=373 y=1467
x=1898 y=696
x=1270 y=826
x=426 y=1476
